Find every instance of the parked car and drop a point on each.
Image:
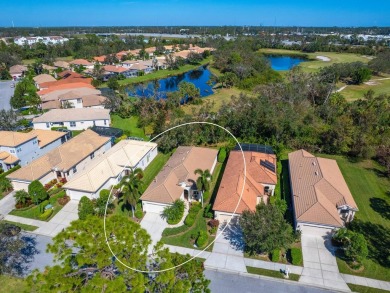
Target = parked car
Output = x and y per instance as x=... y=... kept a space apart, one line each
x=12 y=85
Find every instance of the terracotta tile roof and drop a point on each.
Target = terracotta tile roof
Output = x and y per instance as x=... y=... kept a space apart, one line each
x=110 y=165
x=7 y=158
x=14 y=139
x=318 y=189
x=179 y=168
x=16 y=69
x=82 y=91
x=138 y=66
x=93 y=100
x=233 y=179
x=100 y=58
x=42 y=78
x=69 y=80
x=63 y=158
x=62 y=64
x=48 y=67
x=73 y=114
x=81 y=62
x=116 y=69
x=69 y=74
x=51 y=105
x=46 y=137
x=64 y=87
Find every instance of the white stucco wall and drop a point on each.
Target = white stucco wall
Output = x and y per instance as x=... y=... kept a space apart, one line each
x=79 y=125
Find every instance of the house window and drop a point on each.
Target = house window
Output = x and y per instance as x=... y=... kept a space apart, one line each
x=72 y=124
x=105 y=122
x=47 y=125
x=74 y=170
x=79 y=101
x=92 y=156
x=12 y=151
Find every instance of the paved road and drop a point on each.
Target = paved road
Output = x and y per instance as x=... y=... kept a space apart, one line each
x=6 y=92
x=233 y=283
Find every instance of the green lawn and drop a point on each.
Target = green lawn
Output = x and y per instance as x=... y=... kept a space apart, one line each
x=270 y=273
x=363 y=289
x=11 y=284
x=128 y=125
x=354 y=92
x=161 y=73
x=34 y=212
x=314 y=64
x=22 y=226
x=370 y=190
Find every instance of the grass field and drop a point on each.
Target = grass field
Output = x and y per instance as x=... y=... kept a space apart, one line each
x=270 y=273
x=128 y=125
x=354 y=92
x=24 y=227
x=314 y=64
x=363 y=289
x=370 y=190
x=220 y=96
x=11 y=284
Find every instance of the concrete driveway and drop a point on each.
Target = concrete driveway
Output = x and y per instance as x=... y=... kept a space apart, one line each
x=319 y=261
x=6 y=92
x=154 y=225
x=228 y=249
x=7 y=204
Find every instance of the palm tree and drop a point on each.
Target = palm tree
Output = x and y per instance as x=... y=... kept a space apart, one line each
x=5 y=185
x=203 y=181
x=131 y=187
x=21 y=197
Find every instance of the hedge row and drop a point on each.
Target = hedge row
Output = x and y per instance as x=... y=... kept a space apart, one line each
x=192 y=213
x=46 y=215
x=2 y=175
x=296 y=256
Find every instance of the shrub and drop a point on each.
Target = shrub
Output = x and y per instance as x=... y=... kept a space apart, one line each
x=46 y=214
x=101 y=202
x=37 y=192
x=21 y=197
x=202 y=239
x=54 y=191
x=174 y=213
x=208 y=212
x=42 y=205
x=213 y=223
x=296 y=256
x=275 y=255
x=189 y=220
x=63 y=200
x=2 y=175
x=85 y=208
x=139 y=214
x=222 y=155
x=206 y=195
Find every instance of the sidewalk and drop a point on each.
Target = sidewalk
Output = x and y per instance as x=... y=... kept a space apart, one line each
x=7 y=204
x=366 y=282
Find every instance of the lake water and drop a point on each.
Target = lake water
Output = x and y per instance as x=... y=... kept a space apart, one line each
x=279 y=63
x=199 y=77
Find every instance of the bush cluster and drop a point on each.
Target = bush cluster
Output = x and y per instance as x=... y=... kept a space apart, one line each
x=202 y=239
x=275 y=255
x=222 y=155
x=174 y=213
x=192 y=213
x=296 y=256
x=46 y=214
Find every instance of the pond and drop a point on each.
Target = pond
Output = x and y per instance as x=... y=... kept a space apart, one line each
x=200 y=77
x=279 y=63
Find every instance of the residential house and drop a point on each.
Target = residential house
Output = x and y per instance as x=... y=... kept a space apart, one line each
x=49 y=68
x=116 y=70
x=61 y=64
x=177 y=179
x=73 y=118
x=320 y=195
x=99 y=59
x=109 y=168
x=78 y=99
x=43 y=78
x=17 y=71
x=62 y=162
x=82 y=62
x=19 y=148
x=255 y=186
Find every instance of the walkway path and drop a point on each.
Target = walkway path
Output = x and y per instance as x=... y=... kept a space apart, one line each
x=59 y=222
x=7 y=204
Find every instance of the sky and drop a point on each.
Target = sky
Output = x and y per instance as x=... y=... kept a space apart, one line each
x=40 y=13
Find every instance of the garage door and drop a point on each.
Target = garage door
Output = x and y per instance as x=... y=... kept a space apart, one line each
x=153 y=207
x=315 y=231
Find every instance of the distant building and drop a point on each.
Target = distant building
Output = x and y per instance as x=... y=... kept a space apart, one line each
x=17 y=71
x=49 y=40
x=73 y=119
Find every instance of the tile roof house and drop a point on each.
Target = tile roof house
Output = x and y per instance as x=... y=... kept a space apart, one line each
x=43 y=78
x=63 y=161
x=177 y=179
x=321 y=197
x=109 y=168
x=17 y=71
x=260 y=182
x=22 y=148
x=81 y=62
x=61 y=64
x=73 y=118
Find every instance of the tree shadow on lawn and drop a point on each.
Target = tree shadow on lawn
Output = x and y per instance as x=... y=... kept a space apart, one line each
x=378 y=240
x=381 y=207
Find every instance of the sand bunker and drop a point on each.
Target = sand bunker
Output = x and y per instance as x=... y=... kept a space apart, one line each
x=323 y=58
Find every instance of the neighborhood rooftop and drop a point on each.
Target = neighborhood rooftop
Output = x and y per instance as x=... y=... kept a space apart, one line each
x=73 y=114
x=127 y=153
x=13 y=138
x=179 y=168
x=318 y=189
x=61 y=158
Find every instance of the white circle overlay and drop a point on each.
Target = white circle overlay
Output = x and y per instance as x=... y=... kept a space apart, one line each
x=220 y=232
